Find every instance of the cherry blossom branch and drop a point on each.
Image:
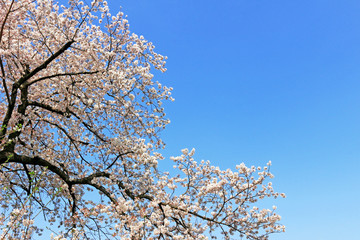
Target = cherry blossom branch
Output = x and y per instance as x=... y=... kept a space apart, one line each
x=62 y=109
x=72 y=140
x=4 y=21
x=9 y=112
x=6 y=157
x=3 y=80
x=89 y=127
x=61 y=75
x=42 y=66
x=22 y=80
x=46 y=107
x=117 y=158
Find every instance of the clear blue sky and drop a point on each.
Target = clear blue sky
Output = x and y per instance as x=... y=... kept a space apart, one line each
x=259 y=80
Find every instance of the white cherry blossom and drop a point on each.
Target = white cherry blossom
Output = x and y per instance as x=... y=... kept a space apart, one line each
x=80 y=116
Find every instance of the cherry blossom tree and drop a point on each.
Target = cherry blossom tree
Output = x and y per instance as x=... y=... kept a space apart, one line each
x=80 y=120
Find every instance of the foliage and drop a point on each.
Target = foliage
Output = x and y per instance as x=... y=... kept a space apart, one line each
x=80 y=116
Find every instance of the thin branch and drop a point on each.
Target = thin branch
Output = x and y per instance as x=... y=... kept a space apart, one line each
x=6 y=16
x=89 y=127
x=117 y=157
x=46 y=107
x=61 y=75
x=3 y=80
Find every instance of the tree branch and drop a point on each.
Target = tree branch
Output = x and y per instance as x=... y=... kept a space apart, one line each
x=6 y=157
x=47 y=107
x=6 y=16
x=117 y=157
x=22 y=80
x=3 y=80
x=61 y=75
x=27 y=76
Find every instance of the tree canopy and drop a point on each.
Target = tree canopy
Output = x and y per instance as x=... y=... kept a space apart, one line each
x=80 y=116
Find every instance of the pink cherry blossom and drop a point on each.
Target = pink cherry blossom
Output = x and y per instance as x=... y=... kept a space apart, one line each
x=80 y=117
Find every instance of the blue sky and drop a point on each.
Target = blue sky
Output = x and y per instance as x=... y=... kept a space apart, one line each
x=259 y=80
